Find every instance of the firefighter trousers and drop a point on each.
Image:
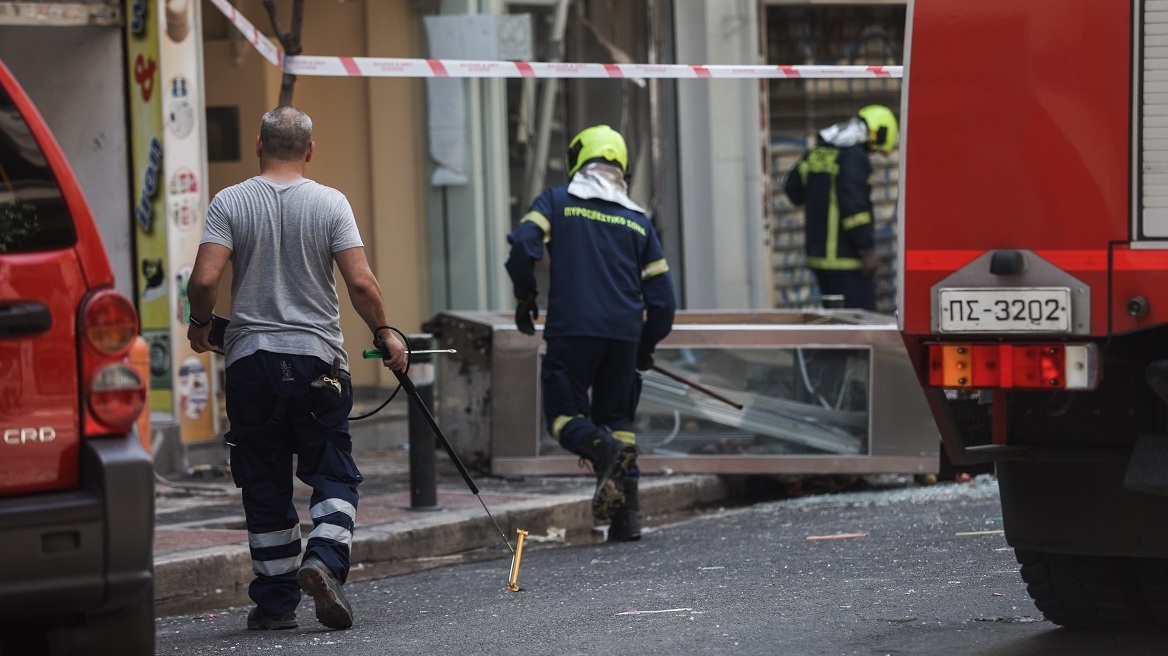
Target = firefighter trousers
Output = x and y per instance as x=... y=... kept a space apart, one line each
x=574 y=366
x=858 y=289
x=276 y=413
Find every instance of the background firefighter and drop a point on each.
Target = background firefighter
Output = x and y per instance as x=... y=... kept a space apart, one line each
x=833 y=182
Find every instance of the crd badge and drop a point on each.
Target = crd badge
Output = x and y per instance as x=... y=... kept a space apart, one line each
x=26 y=435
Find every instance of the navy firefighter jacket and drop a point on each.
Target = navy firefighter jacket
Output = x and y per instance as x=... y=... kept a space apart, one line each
x=607 y=268
x=835 y=186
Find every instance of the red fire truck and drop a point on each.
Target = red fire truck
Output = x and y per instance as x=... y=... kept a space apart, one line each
x=1034 y=281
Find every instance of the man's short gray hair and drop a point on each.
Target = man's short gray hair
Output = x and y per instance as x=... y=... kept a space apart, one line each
x=285 y=133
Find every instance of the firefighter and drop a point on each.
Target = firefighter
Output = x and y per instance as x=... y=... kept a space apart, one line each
x=833 y=182
x=610 y=301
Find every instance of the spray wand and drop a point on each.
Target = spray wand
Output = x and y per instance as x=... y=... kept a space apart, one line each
x=382 y=352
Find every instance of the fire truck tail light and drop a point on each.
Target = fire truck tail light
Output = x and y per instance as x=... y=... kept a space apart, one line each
x=1014 y=366
x=1082 y=369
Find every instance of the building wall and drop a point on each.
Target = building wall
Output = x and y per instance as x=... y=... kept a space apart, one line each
x=398 y=170
x=368 y=134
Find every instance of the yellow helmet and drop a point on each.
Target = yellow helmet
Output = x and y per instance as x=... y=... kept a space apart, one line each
x=882 y=130
x=597 y=142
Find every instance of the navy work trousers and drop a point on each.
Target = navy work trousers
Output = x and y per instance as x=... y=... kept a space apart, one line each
x=276 y=413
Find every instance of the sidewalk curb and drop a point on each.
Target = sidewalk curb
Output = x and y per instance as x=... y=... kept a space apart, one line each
x=217 y=577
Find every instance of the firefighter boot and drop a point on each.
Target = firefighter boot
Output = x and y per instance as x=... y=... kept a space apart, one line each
x=610 y=458
x=626 y=522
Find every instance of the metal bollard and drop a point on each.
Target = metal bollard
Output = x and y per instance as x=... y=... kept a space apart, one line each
x=423 y=480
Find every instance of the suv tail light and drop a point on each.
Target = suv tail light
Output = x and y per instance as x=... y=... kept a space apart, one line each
x=109 y=323
x=1014 y=366
x=117 y=396
x=114 y=393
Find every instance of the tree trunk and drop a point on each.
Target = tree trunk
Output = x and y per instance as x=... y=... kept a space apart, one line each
x=290 y=39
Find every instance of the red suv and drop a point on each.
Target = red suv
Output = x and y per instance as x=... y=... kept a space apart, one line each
x=76 y=486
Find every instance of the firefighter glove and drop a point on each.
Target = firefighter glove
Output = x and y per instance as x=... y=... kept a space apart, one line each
x=869 y=262
x=644 y=361
x=526 y=312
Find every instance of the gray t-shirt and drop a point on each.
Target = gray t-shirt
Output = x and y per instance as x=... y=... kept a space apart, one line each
x=282 y=238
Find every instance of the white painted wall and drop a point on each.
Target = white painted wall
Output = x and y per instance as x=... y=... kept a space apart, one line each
x=725 y=253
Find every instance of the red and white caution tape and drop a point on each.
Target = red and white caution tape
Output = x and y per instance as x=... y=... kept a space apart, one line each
x=387 y=67
x=439 y=68
x=263 y=45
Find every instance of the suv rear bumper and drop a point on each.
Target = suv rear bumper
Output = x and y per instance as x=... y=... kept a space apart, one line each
x=86 y=550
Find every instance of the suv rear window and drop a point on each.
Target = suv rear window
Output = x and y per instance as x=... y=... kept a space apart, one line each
x=33 y=215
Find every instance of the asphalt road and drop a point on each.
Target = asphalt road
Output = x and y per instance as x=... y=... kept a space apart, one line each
x=926 y=571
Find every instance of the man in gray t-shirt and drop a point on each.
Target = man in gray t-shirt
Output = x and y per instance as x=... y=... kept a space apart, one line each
x=288 y=389
x=282 y=236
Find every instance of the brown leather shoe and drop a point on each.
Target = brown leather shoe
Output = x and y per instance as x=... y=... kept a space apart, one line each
x=332 y=608
x=258 y=620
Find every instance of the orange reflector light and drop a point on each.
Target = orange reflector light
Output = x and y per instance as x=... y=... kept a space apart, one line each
x=1013 y=366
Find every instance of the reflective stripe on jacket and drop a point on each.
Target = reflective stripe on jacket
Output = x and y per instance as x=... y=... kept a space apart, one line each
x=834 y=187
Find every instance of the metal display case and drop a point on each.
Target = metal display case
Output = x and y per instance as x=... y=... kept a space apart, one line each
x=776 y=392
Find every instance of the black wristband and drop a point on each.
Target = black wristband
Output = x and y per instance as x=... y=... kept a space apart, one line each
x=195 y=322
x=379 y=328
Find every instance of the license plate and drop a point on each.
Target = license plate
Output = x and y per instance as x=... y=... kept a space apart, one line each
x=1029 y=309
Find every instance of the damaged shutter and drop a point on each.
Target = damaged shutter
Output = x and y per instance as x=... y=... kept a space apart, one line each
x=1153 y=133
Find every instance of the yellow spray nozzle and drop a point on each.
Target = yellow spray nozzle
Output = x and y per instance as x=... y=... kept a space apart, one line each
x=513 y=583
